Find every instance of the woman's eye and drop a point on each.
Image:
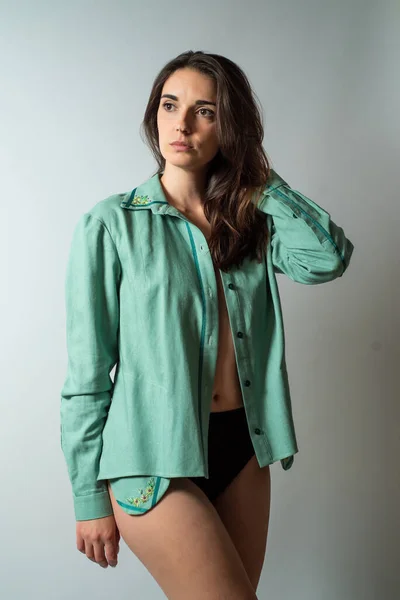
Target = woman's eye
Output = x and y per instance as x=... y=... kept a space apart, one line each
x=210 y=112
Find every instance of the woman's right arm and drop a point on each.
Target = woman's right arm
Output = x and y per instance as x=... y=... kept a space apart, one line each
x=92 y=321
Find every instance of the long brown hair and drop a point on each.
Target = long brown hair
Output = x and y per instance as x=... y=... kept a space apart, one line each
x=240 y=169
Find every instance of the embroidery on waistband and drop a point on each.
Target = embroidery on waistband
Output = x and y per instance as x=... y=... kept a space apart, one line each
x=144 y=493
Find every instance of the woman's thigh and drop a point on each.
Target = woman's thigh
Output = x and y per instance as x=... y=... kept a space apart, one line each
x=184 y=545
x=244 y=509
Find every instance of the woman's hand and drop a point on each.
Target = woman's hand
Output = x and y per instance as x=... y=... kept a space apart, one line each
x=99 y=540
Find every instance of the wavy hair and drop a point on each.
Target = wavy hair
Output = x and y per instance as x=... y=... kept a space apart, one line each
x=239 y=171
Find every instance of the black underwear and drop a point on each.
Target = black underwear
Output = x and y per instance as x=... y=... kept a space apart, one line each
x=229 y=450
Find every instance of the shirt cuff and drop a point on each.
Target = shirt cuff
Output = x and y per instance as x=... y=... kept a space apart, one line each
x=93 y=506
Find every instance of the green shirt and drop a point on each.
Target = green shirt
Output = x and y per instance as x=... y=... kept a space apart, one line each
x=141 y=294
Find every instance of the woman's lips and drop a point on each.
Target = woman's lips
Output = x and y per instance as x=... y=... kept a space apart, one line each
x=181 y=146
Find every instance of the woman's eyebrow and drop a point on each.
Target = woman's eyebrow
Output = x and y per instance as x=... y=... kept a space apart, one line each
x=172 y=97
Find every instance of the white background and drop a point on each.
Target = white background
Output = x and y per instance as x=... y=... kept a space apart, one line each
x=75 y=79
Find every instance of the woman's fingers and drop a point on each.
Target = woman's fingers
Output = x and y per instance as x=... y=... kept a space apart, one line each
x=103 y=554
x=111 y=552
x=99 y=554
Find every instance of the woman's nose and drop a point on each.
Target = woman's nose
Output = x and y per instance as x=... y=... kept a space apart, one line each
x=182 y=126
x=183 y=122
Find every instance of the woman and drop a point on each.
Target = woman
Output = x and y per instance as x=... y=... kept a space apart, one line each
x=175 y=283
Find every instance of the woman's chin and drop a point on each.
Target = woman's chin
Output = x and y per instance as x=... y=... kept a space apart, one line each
x=181 y=158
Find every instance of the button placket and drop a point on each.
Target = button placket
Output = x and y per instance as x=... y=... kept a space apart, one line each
x=239 y=334
x=247 y=382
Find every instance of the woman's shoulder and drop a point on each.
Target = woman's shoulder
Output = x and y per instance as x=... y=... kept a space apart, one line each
x=104 y=214
x=108 y=207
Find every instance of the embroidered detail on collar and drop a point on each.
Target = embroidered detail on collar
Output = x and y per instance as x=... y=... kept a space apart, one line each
x=144 y=493
x=140 y=200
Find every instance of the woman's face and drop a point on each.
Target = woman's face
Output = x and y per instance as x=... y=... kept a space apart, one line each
x=191 y=106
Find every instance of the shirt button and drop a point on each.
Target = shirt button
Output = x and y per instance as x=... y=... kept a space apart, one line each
x=257 y=431
x=240 y=334
x=231 y=286
x=247 y=383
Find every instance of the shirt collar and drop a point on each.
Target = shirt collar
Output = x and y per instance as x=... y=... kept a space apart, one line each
x=148 y=195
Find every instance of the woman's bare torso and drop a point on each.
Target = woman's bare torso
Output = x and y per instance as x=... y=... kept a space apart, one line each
x=226 y=392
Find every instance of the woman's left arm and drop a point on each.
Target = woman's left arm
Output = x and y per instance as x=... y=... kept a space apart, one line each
x=306 y=245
